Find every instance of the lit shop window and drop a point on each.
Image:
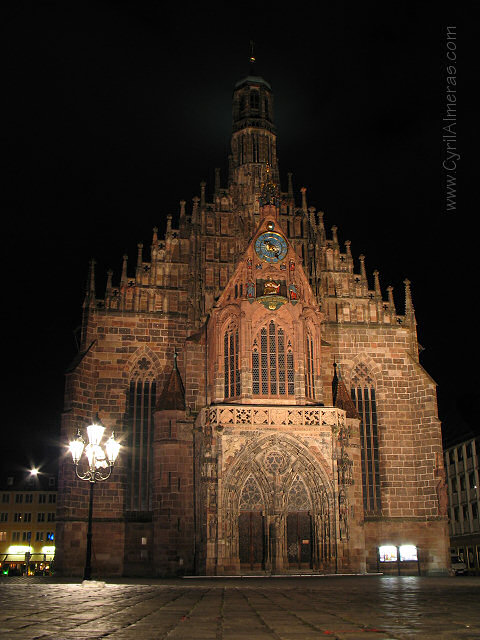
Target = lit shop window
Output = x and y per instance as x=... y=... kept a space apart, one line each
x=408 y=553
x=388 y=553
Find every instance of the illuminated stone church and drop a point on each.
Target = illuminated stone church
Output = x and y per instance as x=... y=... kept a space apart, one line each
x=268 y=395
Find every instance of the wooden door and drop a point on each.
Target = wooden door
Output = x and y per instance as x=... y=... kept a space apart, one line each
x=251 y=539
x=299 y=539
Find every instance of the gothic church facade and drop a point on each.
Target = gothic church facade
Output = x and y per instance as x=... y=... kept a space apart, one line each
x=272 y=409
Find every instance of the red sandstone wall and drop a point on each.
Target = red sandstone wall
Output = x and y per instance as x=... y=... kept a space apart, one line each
x=409 y=436
x=99 y=383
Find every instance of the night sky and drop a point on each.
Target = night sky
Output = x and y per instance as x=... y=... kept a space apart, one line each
x=113 y=112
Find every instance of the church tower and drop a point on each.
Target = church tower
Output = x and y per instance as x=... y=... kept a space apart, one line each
x=254 y=140
x=274 y=413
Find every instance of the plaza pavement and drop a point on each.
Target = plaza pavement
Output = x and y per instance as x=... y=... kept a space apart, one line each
x=277 y=608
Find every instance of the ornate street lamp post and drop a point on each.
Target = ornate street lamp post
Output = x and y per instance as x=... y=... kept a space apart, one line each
x=93 y=463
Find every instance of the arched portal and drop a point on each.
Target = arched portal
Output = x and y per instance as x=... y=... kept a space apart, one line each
x=277 y=506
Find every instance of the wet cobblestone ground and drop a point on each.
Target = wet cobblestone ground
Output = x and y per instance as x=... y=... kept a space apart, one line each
x=337 y=607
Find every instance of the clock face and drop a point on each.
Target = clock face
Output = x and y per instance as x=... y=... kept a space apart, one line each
x=271 y=247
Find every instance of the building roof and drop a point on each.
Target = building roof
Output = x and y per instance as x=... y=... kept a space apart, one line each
x=173 y=394
x=341 y=397
x=26 y=481
x=252 y=80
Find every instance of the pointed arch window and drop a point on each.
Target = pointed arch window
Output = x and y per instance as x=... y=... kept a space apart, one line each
x=232 y=386
x=251 y=497
x=298 y=498
x=363 y=395
x=309 y=368
x=272 y=362
x=141 y=404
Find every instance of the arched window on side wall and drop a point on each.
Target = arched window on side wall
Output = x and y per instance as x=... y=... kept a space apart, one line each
x=232 y=387
x=363 y=395
x=141 y=405
x=309 y=368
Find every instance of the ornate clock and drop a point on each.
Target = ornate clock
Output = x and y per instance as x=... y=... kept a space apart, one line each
x=271 y=246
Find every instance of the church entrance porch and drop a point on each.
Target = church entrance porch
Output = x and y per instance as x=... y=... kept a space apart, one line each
x=272 y=485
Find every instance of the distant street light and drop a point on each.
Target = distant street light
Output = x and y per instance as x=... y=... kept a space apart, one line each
x=93 y=463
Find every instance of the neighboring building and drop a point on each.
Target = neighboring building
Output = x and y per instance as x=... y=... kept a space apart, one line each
x=28 y=506
x=462 y=462
x=215 y=359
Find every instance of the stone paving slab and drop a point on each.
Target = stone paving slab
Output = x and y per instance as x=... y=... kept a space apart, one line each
x=313 y=608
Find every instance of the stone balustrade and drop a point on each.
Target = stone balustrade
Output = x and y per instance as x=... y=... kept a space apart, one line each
x=274 y=416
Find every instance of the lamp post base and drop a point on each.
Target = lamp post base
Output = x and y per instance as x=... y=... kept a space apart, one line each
x=87 y=573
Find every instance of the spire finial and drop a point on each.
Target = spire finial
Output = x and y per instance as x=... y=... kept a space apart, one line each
x=334 y=234
x=303 y=191
x=376 y=280
x=251 y=59
x=124 y=270
x=409 y=310
x=91 y=284
x=391 y=302
x=363 y=272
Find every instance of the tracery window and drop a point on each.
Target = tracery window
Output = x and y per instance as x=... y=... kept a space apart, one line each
x=298 y=498
x=309 y=369
x=363 y=395
x=141 y=404
x=232 y=387
x=251 y=498
x=272 y=362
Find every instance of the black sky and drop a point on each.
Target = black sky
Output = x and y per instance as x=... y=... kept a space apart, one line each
x=115 y=111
